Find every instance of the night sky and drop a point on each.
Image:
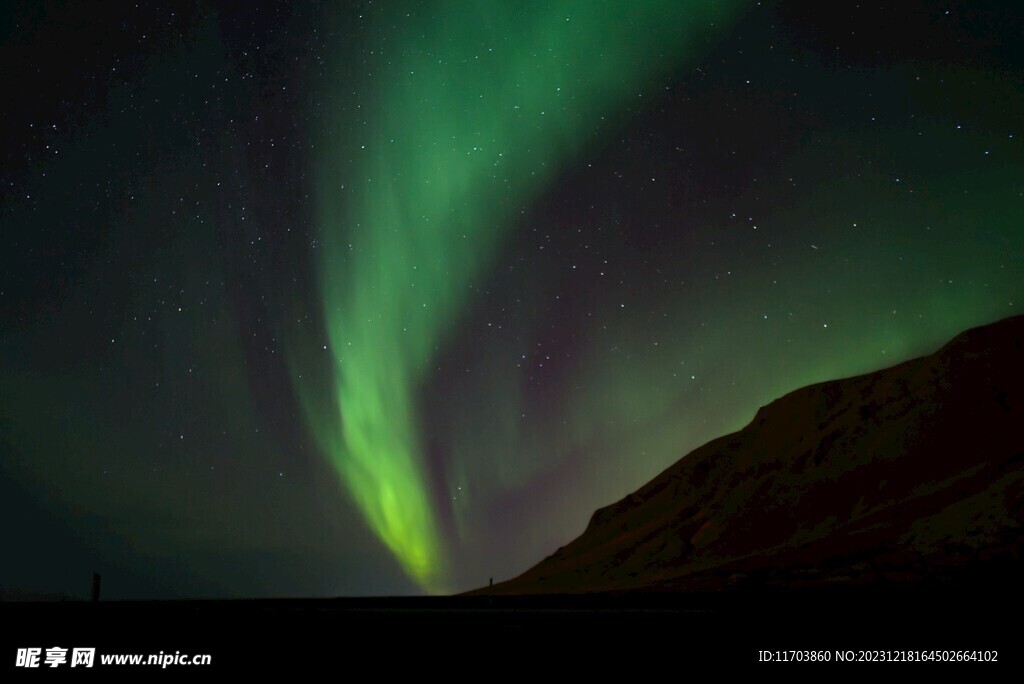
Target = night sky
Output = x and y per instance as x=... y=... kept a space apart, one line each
x=387 y=297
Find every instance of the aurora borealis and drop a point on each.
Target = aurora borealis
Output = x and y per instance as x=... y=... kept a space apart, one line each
x=371 y=298
x=469 y=124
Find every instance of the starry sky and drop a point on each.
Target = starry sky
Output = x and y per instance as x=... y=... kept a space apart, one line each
x=362 y=298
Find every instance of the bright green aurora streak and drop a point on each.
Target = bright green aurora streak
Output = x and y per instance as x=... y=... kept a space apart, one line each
x=461 y=119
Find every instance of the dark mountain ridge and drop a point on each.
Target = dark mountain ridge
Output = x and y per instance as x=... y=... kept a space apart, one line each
x=912 y=475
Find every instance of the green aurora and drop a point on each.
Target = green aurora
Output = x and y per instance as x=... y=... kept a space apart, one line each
x=486 y=265
x=469 y=114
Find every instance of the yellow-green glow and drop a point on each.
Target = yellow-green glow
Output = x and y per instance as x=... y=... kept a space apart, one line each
x=465 y=112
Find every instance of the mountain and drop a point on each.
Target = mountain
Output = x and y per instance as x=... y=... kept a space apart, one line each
x=909 y=476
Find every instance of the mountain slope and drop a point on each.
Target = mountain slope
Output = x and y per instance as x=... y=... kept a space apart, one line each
x=913 y=474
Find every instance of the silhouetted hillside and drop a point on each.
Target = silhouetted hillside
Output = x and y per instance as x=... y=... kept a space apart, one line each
x=913 y=475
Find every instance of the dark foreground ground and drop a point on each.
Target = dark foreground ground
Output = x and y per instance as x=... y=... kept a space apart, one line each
x=483 y=636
